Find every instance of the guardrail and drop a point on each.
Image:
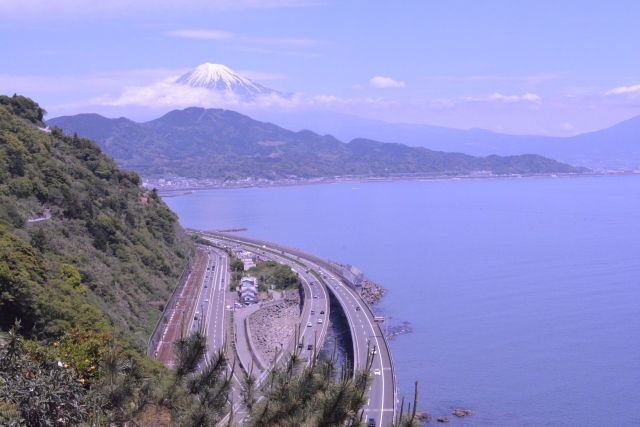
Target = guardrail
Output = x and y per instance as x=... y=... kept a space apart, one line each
x=393 y=366
x=328 y=264
x=163 y=321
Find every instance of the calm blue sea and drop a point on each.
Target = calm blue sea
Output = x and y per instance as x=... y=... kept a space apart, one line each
x=523 y=295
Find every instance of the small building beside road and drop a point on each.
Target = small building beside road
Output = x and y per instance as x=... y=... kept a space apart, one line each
x=249 y=259
x=248 y=290
x=353 y=276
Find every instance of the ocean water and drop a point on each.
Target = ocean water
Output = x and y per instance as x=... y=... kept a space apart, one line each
x=523 y=296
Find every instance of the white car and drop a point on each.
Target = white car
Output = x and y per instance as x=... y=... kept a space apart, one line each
x=309 y=324
x=206 y=300
x=376 y=372
x=319 y=320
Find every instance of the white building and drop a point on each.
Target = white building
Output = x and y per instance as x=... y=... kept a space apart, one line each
x=248 y=259
x=248 y=290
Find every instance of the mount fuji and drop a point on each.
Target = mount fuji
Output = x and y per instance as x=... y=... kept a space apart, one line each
x=221 y=78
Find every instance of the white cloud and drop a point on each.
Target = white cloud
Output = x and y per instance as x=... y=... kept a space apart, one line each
x=278 y=52
x=166 y=93
x=226 y=35
x=83 y=8
x=385 y=83
x=259 y=75
x=623 y=89
x=530 y=97
x=99 y=81
x=530 y=79
x=286 y=42
x=95 y=83
x=202 y=34
x=129 y=93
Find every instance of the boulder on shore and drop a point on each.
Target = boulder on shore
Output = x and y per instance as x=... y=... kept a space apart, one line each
x=371 y=292
x=461 y=412
x=422 y=416
x=443 y=419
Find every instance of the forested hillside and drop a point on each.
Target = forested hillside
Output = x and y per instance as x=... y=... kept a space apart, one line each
x=81 y=243
x=84 y=247
x=224 y=144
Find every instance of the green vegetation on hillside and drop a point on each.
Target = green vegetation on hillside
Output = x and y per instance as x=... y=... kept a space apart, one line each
x=223 y=144
x=269 y=273
x=102 y=253
x=87 y=260
x=236 y=265
x=51 y=385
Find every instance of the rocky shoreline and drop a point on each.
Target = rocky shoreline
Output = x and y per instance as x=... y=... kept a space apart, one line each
x=274 y=326
x=371 y=292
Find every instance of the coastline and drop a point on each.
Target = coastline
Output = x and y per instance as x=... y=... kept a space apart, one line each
x=170 y=191
x=449 y=314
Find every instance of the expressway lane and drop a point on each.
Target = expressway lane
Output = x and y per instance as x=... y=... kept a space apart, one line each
x=364 y=330
x=316 y=299
x=210 y=306
x=368 y=335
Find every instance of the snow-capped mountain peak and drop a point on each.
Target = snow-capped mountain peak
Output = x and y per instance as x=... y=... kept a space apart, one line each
x=222 y=78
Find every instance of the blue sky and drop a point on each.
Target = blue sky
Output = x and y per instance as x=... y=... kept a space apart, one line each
x=540 y=67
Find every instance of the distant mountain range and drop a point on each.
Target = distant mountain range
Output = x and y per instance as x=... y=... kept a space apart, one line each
x=617 y=147
x=221 y=78
x=215 y=143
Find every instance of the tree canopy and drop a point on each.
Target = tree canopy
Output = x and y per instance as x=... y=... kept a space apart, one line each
x=82 y=244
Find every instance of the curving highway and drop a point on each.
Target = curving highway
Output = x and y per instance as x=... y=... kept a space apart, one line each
x=212 y=301
x=366 y=333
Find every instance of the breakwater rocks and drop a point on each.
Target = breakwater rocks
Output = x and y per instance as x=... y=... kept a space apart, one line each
x=423 y=417
x=371 y=292
x=274 y=326
x=399 y=330
x=230 y=230
x=461 y=412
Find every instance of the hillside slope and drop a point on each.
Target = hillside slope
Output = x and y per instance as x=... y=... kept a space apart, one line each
x=98 y=250
x=216 y=143
x=617 y=146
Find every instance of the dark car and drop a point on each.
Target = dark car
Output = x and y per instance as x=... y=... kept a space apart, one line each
x=357 y=308
x=300 y=345
x=321 y=311
x=372 y=422
x=310 y=347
